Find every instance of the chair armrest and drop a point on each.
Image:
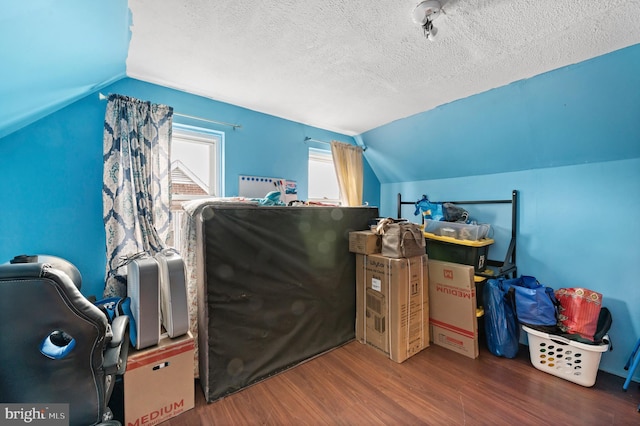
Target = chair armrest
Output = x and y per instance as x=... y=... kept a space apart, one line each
x=115 y=356
x=119 y=329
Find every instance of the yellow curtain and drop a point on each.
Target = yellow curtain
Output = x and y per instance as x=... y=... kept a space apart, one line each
x=347 y=160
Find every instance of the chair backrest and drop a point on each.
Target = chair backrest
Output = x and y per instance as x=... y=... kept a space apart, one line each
x=41 y=309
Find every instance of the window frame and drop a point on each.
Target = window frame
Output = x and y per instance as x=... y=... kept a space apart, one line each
x=197 y=135
x=207 y=137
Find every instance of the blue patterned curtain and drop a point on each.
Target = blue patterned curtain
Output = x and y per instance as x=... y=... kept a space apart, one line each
x=136 y=190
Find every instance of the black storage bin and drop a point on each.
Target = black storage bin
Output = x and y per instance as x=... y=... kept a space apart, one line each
x=473 y=253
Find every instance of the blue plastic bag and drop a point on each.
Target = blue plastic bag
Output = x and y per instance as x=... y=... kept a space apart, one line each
x=535 y=304
x=501 y=326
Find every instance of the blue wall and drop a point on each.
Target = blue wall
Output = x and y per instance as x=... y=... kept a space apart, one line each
x=584 y=113
x=56 y=52
x=569 y=141
x=51 y=171
x=51 y=198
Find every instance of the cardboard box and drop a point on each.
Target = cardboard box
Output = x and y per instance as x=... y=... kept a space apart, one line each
x=392 y=311
x=159 y=382
x=365 y=242
x=452 y=309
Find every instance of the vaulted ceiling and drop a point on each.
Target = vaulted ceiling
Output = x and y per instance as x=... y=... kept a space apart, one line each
x=351 y=66
x=347 y=66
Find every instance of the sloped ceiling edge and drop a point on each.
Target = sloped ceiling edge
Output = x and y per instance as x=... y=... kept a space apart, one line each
x=62 y=51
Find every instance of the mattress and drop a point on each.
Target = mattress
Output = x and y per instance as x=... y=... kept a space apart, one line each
x=277 y=288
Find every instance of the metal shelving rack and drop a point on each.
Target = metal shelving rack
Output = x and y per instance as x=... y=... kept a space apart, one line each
x=504 y=268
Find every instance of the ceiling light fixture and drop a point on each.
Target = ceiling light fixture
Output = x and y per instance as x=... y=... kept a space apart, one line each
x=424 y=14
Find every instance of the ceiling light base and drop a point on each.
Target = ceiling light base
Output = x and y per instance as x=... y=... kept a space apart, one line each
x=424 y=14
x=426 y=11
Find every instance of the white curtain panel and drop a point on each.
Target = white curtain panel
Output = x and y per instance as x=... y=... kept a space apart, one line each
x=347 y=160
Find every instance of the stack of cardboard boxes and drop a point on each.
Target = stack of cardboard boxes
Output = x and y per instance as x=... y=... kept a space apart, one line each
x=403 y=304
x=392 y=299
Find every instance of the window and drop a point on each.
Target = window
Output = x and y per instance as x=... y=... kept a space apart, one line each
x=196 y=169
x=195 y=163
x=323 y=183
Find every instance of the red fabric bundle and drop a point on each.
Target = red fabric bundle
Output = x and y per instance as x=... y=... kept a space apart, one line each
x=579 y=311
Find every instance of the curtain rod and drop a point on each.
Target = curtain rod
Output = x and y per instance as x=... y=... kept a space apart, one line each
x=308 y=139
x=222 y=123
x=192 y=117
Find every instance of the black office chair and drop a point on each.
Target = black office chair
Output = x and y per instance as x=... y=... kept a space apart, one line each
x=56 y=347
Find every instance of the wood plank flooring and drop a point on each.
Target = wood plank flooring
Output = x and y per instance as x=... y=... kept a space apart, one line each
x=357 y=385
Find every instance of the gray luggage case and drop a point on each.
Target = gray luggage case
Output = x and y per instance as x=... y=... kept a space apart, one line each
x=173 y=293
x=143 y=287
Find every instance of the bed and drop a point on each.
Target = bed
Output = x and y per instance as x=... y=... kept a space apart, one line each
x=269 y=287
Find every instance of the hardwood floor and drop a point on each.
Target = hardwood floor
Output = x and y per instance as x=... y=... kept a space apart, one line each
x=356 y=385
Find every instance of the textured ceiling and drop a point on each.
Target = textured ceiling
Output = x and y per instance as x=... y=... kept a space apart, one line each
x=351 y=66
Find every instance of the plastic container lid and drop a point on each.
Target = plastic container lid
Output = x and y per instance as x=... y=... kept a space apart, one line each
x=470 y=243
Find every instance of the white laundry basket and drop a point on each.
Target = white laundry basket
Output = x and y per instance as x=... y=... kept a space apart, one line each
x=570 y=360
